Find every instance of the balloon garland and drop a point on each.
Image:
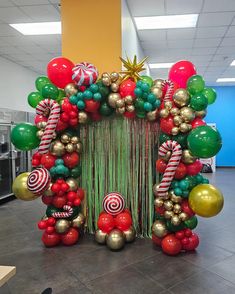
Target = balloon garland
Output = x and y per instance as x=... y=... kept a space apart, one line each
x=72 y=95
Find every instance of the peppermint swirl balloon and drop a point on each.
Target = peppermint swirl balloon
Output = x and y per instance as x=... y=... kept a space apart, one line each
x=85 y=73
x=38 y=180
x=113 y=203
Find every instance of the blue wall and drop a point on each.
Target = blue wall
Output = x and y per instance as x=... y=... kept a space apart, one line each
x=222 y=112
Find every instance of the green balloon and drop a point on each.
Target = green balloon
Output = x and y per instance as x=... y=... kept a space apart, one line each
x=204 y=142
x=148 y=80
x=191 y=223
x=105 y=109
x=195 y=84
x=198 y=102
x=34 y=98
x=139 y=104
x=173 y=228
x=164 y=137
x=141 y=114
x=181 y=139
x=104 y=91
x=210 y=95
x=61 y=95
x=50 y=91
x=24 y=136
x=76 y=171
x=40 y=82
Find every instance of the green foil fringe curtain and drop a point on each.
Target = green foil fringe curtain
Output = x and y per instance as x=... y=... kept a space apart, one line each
x=119 y=155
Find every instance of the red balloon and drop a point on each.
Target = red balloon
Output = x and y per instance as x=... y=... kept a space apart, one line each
x=197 y=122
x=59 y=201
x=186 y=208
x=181 y=71
x=193 y=242
x=157 y=241
x=180 y=171
x=161 y=165
x=40 y=118
x=92 y=105
x=42 y=225
x=50 y=240
x=61 y=125
x=70 y=238
x=127 y=87
x=194 y=168
x=71 y=196
x=47 y=199
x=51 y=221
x=48 y=160
x=59 y=71
x=166 y=125
x=80 y=193
x=105 y=222
x=160 y=210
x=96 y=116
x=71 y=159
x=66 y=105
x=171 y=245
x=50 y=230
x=77 y=202
x=128 y=114
x=123 y=221
x=179 y=235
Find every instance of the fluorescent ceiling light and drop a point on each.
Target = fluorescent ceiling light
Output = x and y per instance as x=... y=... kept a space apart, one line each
x=166 y=22
x=160 y=65
x=38 y=28
x=233 y=63
x=225 y=80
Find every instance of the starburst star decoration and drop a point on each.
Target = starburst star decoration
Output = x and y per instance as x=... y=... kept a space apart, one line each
x=133 y=68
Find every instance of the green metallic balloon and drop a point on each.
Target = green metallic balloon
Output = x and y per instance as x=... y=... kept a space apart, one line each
x=139 y=104
x=24 y=136
x=148 y=80
x=141 y=114
x=198 y=102
x=40 y=82
x=164 y=137
x=61 y=95
x=172 y=228
x=105 y=109
x=195 y=84
x=76 y=171
x=204 y=142
x=191 y=223
x=181 y=139
x=210 y=95
x=34 y=98
x=103 y=90
x=50 y=91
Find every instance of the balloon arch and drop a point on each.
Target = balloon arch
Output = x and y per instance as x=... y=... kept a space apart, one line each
x=73 y=95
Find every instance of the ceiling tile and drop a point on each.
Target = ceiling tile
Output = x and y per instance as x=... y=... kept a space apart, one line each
x=212 y=5
x=218 y=63
x=231 y=32
x=183 y=6
x=13 y=15
x=6 y=3
x=203 y=51
x=6 y=30
x=10 y=50
x=33 y=49
x=209 y=42
x=29 y=2
x=149 y=35
x=215 y=19
x=201 y=60
x=211 y=32
x=225 y=50
x=180 y=44
x=228 y=42
x=149 y=45
x=42 y=12
x=181 y=34
x=153 y=7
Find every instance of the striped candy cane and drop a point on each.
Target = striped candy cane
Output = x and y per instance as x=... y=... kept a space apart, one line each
x=64 y=214
x=41 y=109
x=171 y=166
x=170 y=89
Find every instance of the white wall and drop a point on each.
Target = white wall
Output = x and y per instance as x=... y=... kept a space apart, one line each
x=16 y=82
x=130 y=43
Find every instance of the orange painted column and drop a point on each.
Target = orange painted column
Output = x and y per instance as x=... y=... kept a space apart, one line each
x=91 y=31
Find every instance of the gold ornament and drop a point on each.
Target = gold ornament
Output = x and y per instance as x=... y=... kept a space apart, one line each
x=175 y=131
x=174 y=111
x=130 y=234
x=114 y=87
x=158 y=83
x=48 y=192
x=168 y=105
x=121 y=110
x=133 y=68
x=57 y=148
x=157 y=92
x=177 y=208
x=115 y=240
x=114 y=76
x=184 y=128
x=82 y=117
x=158 y=202
x=181 y=97
x=130 y=108
x=20 y=189
x=71 y=89
x=73 y=184
x=168 y=205
x=113 y=98
x=183 y=216
x=74 y=139
x=201 y=113
x=65 y=138
x=100 y=237
x=168 y=214
x=187 y=157
x=69 y=148
x=187 y=114
x=62 y=226
x=164 y=113
x=106 y=79
x=79 y=221
x=174 y=198
x=152 y=115
x=120 y=103
x=40 y=134
x=41 y=125
x=177 y=120
x=79 y=147
x=175 y=220
x=105 y=75
x=128 y=99
x=159 y=229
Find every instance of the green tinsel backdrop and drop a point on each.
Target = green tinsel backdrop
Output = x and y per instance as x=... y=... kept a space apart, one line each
x=119 y=155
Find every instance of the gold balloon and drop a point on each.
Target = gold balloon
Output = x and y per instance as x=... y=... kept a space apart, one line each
x=71 y=89
x=168 y=214
x=177 y=120
x=175 y=131
x=175 y=220
x=164 y=113
x=201 y=113
x=73 y=184
x=40 y=134
x=105 y=75
x=181 y=97
x=121 y=110
x=167 y=156
x=79 y=221
x=174 y=198
x=130 y=108
x=20 y=190
x=177 y=208
x=106 y=81
x=113 y=98
x=65 y=138
x=128 y=99
x=79 y=147
x=183 y=216
x=41 y=124
x=114 y=76
x=159 y=229
x=187 y=157
x=62 y=226
x=100 y=237
x=206 y=200
x=155 y=187
x=158 y=202
x=184 y=128
x=130 y=234
x=48 y=192
x=57 y=148
x=187 y=113
x=158 y=83
x=54 y=135
x=168 y=105
x=174 y=111
x=70 y=148
x=114 y=87
x=115 y=240
x=168 y=205
x=152 y=115
x=157 y=92
x=120 y=103
x=74 y=139
x=82 y=117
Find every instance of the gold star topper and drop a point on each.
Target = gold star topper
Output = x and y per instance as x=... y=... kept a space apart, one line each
x=133 y=68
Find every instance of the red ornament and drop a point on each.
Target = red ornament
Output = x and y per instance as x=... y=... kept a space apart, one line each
x=193 y=242
x=80 y=193
x=180 y=171
x=42 y=225
x=123 y=221
x=51 y=221
x=50 y=230
x=55 y=188
x=179 y=235
x=181 y=71
x=161 y=165
x=71 y=159
x=59 y=201
x=105 y=222
x=166 y=124
x=126 y=88
x=197 y=122
x=186 y=208
x=92 y=105
x=188 y=232
x=50 y=240
x=194 y=168
x=171 y=245
x=157 y=241
x=70 y=238
x=77 y=202
x=48 y=160
x=59 y=71
x=71 y=196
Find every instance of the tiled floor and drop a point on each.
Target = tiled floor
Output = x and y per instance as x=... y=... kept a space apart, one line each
x=139 y=268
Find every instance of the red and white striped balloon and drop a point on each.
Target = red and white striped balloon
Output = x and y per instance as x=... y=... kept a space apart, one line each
x=85 y=73
x=68 y=211
x=113 y=203
x=171 y=166
x=38 y=180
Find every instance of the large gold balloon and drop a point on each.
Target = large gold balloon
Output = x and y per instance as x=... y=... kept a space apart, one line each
x=130 y=234
x=159 y=229
x=20 y=190
x=187 y=114
x=115 y=240
x=113 y=98
x=57 y=148
x=100 y=237
x=73 y=184
x=79 y=221
x=181 y=97
x=206 y=200
x=187 y=157
x=62 y=226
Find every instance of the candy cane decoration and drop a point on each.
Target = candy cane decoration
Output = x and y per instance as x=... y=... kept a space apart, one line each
x=171 y=166
x=63 y=214
x=113 y=203
x=170 y=89
x=54 y=115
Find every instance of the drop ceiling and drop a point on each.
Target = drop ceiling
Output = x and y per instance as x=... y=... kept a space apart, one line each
x=210 y=46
